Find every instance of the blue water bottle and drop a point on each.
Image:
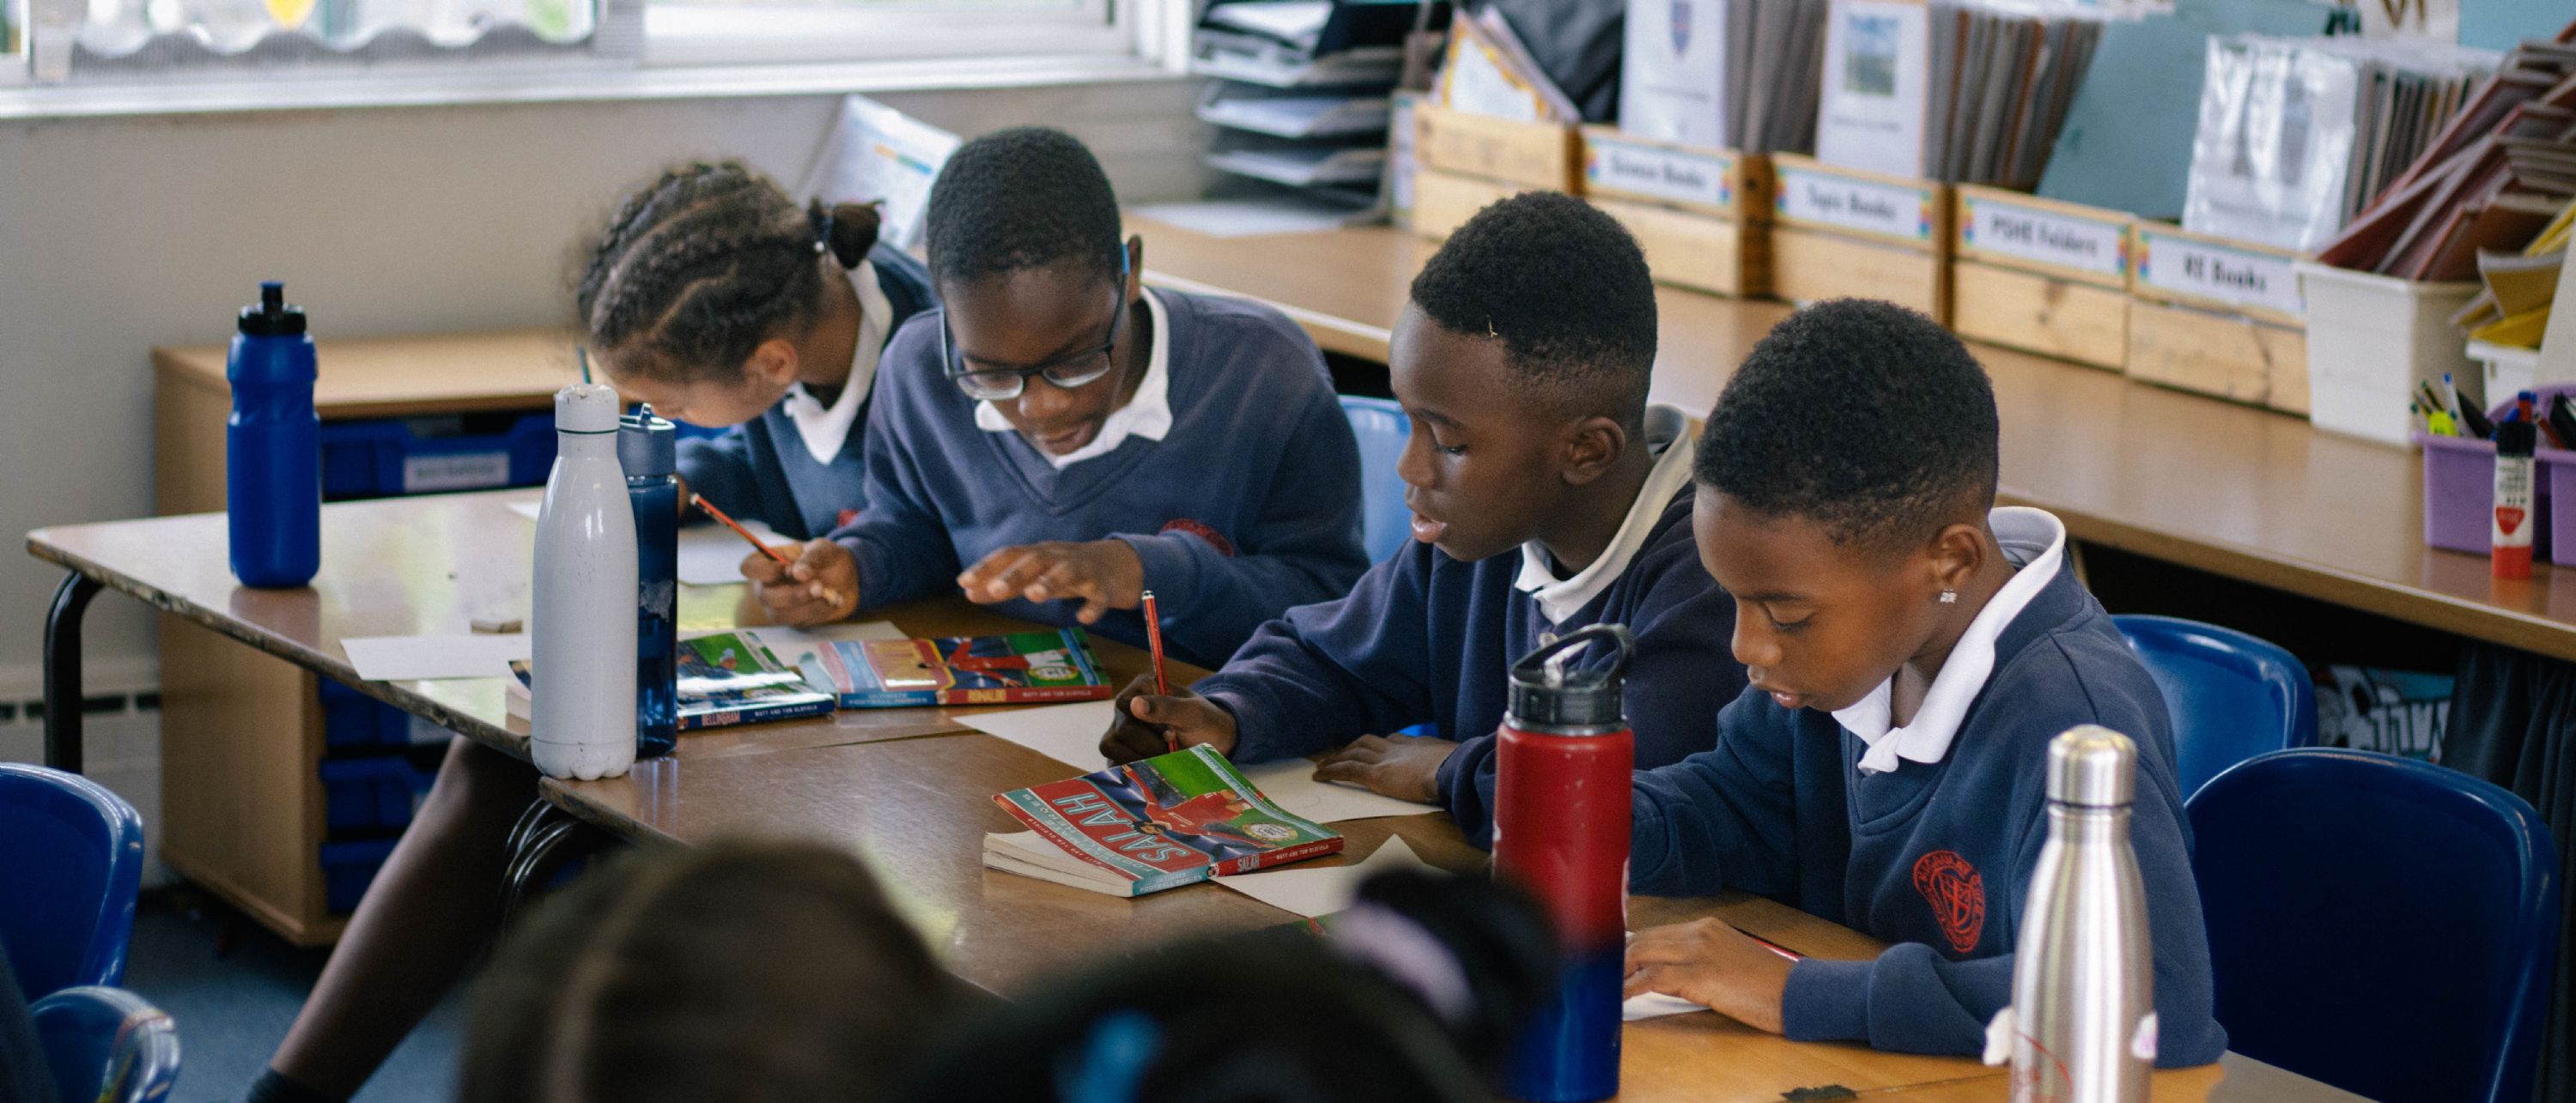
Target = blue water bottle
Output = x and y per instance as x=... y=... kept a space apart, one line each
x=273 y=447
x=647 y=447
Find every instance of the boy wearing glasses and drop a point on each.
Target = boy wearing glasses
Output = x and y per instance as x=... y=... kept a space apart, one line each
x=1060 y=439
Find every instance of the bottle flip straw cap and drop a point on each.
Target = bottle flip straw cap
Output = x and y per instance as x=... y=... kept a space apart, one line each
x=647 y=446
x=1545 y=693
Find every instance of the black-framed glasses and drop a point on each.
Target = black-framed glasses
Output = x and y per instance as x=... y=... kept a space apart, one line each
x=999 y=383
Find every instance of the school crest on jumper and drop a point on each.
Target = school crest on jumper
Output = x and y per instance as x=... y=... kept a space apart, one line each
x=1957 y=893
x=1201 y=530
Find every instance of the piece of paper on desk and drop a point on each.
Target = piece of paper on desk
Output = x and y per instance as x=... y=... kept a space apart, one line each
x=423 y=658
x=710 y=555
x=1315 y=891
x=1655 y=1005
x=1070 y=734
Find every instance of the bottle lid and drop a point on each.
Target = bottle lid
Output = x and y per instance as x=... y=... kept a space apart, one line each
x=271 y=316
x=647 y=446
x=2093 y=767
x=1544 y=693
x=586 y=408
x=2516 y=438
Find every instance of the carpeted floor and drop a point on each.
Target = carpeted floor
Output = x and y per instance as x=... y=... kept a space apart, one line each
x=232 y=1003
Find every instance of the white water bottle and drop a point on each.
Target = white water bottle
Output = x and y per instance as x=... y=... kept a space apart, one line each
x=583 y=669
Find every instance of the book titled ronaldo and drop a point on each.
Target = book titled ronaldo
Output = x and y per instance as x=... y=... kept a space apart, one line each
x=1161 y=822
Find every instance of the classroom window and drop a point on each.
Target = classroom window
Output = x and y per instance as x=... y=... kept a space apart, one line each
x=699 y=32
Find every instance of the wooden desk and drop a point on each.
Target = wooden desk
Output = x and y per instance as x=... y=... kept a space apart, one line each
x=917 y=810
x=2219 y=487
x=250 y=823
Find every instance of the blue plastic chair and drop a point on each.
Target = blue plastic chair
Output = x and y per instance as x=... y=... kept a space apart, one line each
x=2232 y=696
x=2380 y=924
x=1382 y=429
x=107 y=1044
x=68 y=876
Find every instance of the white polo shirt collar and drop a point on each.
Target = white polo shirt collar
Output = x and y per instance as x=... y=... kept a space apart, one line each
x=1558 y=598
x=824 y=429
x=2033 y=540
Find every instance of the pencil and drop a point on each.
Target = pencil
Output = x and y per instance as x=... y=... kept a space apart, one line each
x=1162 y=684
x=783 y=562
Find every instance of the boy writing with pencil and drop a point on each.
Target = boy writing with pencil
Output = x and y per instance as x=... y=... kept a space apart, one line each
x=1912 y=650
x=1547 y=496
x=1059 y=439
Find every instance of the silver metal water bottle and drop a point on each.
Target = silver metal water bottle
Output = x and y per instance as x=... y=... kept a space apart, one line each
x=2083 y=978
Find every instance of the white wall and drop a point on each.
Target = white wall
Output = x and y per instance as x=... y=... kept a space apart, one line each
x=120 y=234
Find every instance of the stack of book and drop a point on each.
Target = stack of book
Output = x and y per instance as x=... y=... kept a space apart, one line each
x=1304 y=91
x=2296 y=135
x=2490 y=181
x=1723 y=74
x=1948 y=91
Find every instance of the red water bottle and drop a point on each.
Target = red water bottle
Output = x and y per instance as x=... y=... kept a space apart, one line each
x=1561 y=826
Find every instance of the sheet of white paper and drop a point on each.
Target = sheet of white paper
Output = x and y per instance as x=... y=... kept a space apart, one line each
x=1314 y=891
x=421 y=658
x=1292 y=786
x=1069 y=734
x=1655 y=1005
x=527 y=509
x=711 y=555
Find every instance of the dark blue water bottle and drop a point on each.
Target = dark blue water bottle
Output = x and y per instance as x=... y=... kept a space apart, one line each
x=647 y=447
x=273 y=447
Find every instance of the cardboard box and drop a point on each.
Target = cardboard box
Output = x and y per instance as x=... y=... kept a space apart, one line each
x=1843 y=232
x=1701 y=215
x=2041 y=276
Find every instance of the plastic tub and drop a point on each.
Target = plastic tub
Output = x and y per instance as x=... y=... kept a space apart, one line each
x=370 y=794
x=2369 y=339
x=427 y=455
x=347 y=870
x=353 y=721
x=2459 y=490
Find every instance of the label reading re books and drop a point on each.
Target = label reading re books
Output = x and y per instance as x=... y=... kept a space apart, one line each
x=1888 y=210
x=2187 y=267
x=1662 y=173
x=2044 y=237
x=465 y=471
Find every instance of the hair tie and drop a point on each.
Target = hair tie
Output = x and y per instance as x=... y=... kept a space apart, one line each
x=823 y=243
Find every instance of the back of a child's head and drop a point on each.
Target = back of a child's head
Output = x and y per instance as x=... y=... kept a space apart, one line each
x=697 y=268
x=1565 y=289
x=1025 y=198
x=1861 y=415
x=745 y=971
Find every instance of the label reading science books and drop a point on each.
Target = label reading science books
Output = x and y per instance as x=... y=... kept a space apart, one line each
x=2188 y=267
x=2044 y=237
x=1662 y=173
x=1843 y=203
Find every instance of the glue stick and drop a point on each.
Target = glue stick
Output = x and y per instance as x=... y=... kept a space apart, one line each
x=2513 y=516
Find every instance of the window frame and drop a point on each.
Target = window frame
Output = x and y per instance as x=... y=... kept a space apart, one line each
x=682 y=34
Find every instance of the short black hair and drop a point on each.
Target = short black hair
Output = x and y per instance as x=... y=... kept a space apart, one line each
x=1859 y=414
x=1023 y=198
x=697 y=268
x=1565 y=289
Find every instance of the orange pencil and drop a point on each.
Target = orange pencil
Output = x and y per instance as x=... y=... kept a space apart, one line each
x=1162 y=685
x=783 y=562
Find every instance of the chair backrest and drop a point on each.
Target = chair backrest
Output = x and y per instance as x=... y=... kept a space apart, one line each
x=67 y=878
x=2232 y=696
x=2381 y=924
x=1382 y=429
x=107 y=1044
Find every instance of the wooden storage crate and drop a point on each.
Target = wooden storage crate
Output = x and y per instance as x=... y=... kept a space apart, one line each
x=1703 y=216
x=1843 y=232
x=2042 y=276
x=1464 y=162
x=2216 y=316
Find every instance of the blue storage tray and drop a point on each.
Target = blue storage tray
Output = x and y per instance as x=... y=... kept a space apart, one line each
x=352 y=720
x=347 y=870
x=371 y=794
x=386 y=457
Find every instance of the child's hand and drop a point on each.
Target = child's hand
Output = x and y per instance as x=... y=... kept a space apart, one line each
x=1406 y=767
x=1103 y=574
x=821 y=588
x=1148 y=725
x=1706 y=961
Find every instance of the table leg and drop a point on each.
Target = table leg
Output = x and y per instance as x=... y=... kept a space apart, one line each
x=63 y=671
